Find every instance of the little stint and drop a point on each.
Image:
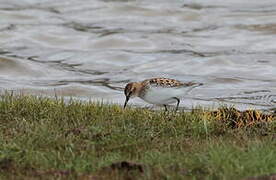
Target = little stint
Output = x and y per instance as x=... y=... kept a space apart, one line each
x=159 y=91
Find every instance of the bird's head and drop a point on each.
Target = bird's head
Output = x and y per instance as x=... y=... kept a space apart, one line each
x=131 y=91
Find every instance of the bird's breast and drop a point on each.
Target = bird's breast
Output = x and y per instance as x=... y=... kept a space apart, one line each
x=161 y=95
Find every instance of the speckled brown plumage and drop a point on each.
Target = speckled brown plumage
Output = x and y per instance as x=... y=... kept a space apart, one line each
x=161 y=82
x=165 y=82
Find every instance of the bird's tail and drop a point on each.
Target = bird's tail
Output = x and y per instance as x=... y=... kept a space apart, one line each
x=191 y=86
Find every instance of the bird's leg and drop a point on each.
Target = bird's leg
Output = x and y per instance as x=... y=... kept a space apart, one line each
x=166 y=109
x=178 y=101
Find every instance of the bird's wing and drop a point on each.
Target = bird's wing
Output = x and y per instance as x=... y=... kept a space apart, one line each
x=163 y=82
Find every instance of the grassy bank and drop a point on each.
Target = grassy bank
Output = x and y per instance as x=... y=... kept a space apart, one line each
x=45 y=138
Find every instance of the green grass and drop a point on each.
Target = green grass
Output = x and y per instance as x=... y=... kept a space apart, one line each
x=42 y=138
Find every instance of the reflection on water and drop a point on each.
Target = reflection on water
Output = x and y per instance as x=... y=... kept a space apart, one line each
x=90 y=49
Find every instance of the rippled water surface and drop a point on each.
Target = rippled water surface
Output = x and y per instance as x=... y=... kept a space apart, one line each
x=90 y=49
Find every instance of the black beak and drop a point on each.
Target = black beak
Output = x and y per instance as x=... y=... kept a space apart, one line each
x=127 y=98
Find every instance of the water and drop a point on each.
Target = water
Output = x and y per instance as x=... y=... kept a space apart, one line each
x=90 y=49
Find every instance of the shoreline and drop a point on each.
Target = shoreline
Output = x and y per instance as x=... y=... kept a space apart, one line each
x=48 y=138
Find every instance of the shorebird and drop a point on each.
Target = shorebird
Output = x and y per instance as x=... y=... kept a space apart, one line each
x=159 y=91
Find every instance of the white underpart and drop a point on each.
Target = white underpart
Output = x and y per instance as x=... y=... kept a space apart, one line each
x=161 y=95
